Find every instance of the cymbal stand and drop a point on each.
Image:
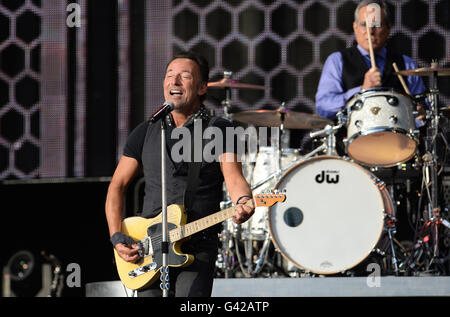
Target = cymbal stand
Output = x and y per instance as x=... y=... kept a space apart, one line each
x=431 y=217
x=281 y=133
x=227 y=102
x=391 y=231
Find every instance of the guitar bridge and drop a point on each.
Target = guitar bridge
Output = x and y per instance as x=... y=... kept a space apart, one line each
x=142 y=270
x=145 y=247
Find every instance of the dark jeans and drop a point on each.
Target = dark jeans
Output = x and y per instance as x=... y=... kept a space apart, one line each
x=195 y=280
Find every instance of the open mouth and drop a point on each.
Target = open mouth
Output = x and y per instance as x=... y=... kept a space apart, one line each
x=174 y=92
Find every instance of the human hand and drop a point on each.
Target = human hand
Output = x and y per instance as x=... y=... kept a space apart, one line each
x=128 y=253
x=422 y=113
x=372 y=78
x=243 y=212
x=125 y=246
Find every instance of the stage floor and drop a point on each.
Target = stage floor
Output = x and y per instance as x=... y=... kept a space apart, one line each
x=333 y=287
x=306 y=287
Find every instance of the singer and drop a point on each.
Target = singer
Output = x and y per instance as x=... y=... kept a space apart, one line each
x=185 y=86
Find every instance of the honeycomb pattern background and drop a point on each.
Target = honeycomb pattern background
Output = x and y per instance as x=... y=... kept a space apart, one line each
x=284 y=44
x=20 y=30
x=279 y=44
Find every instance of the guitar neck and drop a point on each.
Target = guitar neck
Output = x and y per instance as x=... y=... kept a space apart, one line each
x=203 y=223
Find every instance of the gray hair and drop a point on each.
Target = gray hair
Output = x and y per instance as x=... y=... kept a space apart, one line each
x=381 y=3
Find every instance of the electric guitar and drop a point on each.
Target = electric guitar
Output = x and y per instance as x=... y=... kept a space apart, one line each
x=148 y=234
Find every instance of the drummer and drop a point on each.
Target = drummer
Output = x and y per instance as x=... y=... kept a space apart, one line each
x=349 y=71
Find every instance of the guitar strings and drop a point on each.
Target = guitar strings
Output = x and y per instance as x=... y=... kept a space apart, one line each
x=158 y=238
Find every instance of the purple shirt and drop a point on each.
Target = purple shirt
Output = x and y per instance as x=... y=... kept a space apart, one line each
x=331 y=97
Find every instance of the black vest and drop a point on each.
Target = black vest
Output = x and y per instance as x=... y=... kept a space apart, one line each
x=209 y=192
x=354 y=68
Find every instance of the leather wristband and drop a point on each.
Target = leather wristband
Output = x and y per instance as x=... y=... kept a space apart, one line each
x=244 y=196
x=119 y=237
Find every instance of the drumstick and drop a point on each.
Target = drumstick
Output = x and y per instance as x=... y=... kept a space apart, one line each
x=402 y=81
x=369 y=38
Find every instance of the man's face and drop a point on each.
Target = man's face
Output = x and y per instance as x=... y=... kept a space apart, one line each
x=182 y=84
x=379 y=35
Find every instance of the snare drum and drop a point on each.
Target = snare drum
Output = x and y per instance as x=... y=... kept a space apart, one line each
x=333 y=216
x=380 y=128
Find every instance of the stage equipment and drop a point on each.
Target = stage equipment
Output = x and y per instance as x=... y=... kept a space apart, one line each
x=380 y=128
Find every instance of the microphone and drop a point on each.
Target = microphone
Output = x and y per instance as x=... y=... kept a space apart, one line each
x=167 y=107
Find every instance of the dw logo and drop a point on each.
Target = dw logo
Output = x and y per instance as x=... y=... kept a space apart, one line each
x=331 y=177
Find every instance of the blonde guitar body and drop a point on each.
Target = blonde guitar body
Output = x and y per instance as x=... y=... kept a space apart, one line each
x=148 y=234
x=138 y=228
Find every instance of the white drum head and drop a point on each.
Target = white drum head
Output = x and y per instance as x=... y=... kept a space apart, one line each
x=332 y=218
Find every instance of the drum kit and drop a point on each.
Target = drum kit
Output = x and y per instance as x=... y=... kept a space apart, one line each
x=339 y=216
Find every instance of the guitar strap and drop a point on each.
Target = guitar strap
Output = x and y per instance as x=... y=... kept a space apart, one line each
x=194 y=171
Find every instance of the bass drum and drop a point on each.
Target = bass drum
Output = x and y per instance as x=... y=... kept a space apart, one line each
x=333 y=216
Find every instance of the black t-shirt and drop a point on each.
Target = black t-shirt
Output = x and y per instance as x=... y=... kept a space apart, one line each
x=135 y=142
x=144 y=145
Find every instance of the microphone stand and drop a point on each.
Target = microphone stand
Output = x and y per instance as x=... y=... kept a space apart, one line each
x=165 y=241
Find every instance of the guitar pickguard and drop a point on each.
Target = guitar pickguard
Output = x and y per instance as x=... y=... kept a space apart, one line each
x=155 y=234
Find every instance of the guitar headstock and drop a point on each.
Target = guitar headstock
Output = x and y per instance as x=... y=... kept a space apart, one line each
x=269 y=199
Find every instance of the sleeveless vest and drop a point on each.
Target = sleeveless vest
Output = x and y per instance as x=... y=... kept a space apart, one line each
x=209 y=190
x=355 y=67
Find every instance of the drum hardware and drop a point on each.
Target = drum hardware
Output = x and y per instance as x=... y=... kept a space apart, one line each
x=281 y=132
x=433 y=71
x=379 y=183
x=263 y=254
x=380 y=127
x=425 y=252
x=329 y=140
x=430 y=158
x=445 y=111
x=273 y=118
x=328 y=146
x=395 y=255
x=379 y=252
x=226 y=103
x=391 y=231
x=225 y=259
x=227 y=84
x=390 y=221
x=328 y=136
x=246 y=272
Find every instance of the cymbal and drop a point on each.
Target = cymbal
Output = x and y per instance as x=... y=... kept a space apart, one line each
x=445 y=111
x=425 y=71
x=272 y=118
x=231 y=83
